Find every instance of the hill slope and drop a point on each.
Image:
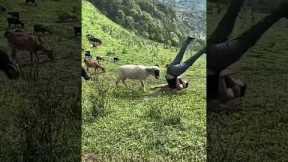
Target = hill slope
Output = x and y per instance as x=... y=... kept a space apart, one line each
x=121 y=124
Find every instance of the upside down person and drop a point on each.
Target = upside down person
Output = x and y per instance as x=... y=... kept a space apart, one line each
x=176 y=69
x=222 y=53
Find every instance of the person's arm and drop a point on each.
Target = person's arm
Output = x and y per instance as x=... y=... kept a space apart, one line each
x=224 y=92
x=160 y=86
x=236 y=86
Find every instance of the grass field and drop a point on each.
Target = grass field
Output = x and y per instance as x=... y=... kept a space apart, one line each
x=41 y=111
x=122 y=124
x=255 y=127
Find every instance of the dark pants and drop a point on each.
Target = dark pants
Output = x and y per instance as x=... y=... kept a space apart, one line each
x=222 y=52
x=176 y=68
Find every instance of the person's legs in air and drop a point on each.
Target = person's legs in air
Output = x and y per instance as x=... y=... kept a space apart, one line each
x=179 y=69
x=182 y=51
x=251 y=36
x=226 y=25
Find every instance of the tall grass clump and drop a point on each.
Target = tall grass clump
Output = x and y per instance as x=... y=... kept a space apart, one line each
x=98 y=100
x=163 y=114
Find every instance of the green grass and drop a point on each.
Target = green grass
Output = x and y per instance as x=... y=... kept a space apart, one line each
x=257 y=131
x=122 y=124
x=42 y=114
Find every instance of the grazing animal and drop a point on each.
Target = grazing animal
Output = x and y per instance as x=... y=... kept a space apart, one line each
x=115 y=59
x=7 y=66
x=84 y=74
x=77 y=31
x=93 y=64
x=27 y=42
x=95 y=42
x=15 y=22
x=99 y=58
x=39 y=28
x=88 y=55
x=31 y=1
x=14 y=19
x=137 y=72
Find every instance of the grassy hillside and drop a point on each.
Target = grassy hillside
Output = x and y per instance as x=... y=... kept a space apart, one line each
x=254 y=128
x=122 y=124
x=40 y=112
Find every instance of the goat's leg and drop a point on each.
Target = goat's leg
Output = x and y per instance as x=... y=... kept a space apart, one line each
x=117 y=82
x=143 y=85
x=123 y=81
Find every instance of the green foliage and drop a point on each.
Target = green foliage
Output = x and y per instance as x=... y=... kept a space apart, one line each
x=149 y=19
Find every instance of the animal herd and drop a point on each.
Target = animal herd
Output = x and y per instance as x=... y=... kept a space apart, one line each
x=133 y=72
x=19 y=39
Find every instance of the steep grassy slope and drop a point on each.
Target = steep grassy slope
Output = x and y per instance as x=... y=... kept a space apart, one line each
x=122 y=124
x=40 y=112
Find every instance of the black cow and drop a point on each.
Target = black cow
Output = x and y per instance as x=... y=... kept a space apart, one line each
x=95 y=42
x=88 y=55
x=14 y=19
x=7 y=66
x=115 y=59
x=99 y=58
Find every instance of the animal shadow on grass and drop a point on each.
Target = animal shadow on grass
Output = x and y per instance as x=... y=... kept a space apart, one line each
x=125 y=93
x=157 y=93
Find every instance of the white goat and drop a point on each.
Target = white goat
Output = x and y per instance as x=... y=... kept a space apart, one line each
x=137 y=72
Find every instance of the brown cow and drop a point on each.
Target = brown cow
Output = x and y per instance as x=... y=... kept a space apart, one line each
x=23 y=41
